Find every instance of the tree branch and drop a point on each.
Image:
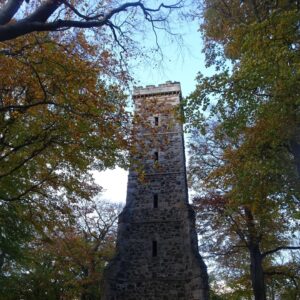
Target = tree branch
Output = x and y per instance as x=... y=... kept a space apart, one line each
x=279 y=249
x=43 y=12
x=77 y=12
x=32 y=155
x=9 y=10
x=37 y=20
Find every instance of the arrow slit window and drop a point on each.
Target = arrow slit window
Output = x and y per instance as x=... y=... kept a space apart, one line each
x=154 y=248
x=155 y=201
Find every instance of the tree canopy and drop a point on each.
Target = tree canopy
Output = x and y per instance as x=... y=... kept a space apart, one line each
x=248 y=113
x=59 y=120
x=69 y=261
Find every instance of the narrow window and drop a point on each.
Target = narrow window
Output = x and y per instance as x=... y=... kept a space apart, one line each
x=156 y=156
x=156 y=121
x=154 y=248
x=155 y=201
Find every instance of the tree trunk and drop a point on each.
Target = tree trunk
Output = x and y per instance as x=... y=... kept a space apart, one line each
x=295 y=148
x=2 y=257
x=257 y=273
x=256 y=258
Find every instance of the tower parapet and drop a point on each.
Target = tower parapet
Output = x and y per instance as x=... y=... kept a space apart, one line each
x=165 y=88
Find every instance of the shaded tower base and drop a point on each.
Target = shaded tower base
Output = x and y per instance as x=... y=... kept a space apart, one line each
x=177 y=272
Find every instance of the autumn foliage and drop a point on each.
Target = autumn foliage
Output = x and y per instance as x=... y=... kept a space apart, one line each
x=60 y=120
x=245 y=148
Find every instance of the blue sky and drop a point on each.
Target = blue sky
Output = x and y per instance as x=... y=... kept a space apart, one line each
x=181 y=61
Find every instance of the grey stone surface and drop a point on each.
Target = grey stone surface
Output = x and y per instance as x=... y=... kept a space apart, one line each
x=157 y=250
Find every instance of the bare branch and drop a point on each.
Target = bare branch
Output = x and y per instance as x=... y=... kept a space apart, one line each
x=279 y=249
x=37 y=20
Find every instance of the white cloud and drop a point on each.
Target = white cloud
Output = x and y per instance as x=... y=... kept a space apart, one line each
x=114 y=183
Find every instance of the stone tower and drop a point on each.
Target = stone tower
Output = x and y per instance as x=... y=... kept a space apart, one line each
x=157 y=251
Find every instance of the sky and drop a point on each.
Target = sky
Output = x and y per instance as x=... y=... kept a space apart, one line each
x=181 y=62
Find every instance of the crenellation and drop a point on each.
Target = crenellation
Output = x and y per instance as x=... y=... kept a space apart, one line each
x=167 y=88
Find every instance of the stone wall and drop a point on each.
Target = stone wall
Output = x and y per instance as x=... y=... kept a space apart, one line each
x=157 y=251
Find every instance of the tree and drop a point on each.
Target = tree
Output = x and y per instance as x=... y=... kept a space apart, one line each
x=260 y=40
x=59 y=121
x=67 y=263
x=244 y=213
x=53 y=104
x=254 y=97
x=18 y=18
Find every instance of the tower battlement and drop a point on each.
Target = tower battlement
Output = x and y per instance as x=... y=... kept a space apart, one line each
x=165 y=88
